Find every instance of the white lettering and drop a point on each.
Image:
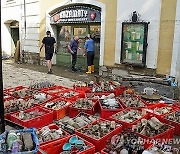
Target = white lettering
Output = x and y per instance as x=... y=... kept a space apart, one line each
x=85 y=13
x=73 y=15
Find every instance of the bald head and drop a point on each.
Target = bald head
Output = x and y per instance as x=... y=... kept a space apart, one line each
x=76 y=38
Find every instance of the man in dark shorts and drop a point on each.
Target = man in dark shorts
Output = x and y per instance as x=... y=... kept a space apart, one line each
x=50 y=45
x=73 y=47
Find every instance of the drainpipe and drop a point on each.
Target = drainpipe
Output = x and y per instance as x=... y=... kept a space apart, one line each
x=25 y=18
x=2 y=124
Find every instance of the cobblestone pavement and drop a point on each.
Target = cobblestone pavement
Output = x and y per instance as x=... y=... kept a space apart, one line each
x=14 y=76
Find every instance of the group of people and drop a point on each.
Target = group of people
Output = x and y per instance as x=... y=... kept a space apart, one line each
x=50 y=46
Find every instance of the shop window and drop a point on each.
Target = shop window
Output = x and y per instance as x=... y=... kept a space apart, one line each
x=80 y=32
x=64 y=37
x=95 y=34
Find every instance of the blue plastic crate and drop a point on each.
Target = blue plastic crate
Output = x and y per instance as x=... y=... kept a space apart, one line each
x=34 y=137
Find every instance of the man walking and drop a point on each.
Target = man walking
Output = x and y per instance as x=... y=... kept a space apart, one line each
x=89 y=47
x=73 y=46
x=50 y=45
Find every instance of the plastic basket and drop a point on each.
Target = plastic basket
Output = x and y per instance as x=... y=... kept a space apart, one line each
x=34 y=138
x=135 y=97
x=85 y=89
x=166 y=135
x=172 y=123
x=75 y=111
x=150 y=109
x=96 y=95
x=54 y=89
x=36 y=122
x=127 y=124
x=119 y=90
x=145 y=144
x=106 y=113
x=78 y=94
x=7 y=97
x=54 y=126
x=99 y=143
x=10 y=91
x=71 y=130
x=56 y=146
x=58 y=113
x=177 y=104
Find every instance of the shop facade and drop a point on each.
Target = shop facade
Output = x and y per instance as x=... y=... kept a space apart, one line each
x=77 y=20
x=155 y=46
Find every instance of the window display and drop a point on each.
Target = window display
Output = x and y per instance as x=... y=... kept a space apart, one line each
x=134 y=43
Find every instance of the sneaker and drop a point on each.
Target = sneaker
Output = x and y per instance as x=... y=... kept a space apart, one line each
x=49 y=72
x=74 y=70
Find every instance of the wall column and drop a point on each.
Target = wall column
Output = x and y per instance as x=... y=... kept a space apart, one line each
x=167 y=24
x=110 y=33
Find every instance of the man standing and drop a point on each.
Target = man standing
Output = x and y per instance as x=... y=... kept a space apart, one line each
x=50 y=45
x=89 y=46
x=73 y=46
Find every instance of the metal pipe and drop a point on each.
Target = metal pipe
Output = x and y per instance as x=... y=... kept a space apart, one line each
x=25 y=19
x=2 y=124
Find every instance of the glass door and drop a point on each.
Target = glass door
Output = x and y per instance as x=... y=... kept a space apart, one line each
x=81 y=31
x=63 y=38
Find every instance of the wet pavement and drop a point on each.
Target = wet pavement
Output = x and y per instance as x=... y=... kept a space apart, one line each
x=25 y=74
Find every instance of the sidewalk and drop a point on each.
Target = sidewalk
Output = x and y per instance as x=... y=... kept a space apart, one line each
x=25 y=74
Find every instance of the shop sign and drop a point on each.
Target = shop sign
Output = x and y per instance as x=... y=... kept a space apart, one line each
x=76 y=14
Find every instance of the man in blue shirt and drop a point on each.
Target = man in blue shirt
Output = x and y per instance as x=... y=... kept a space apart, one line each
x=73 y=46
x=89 y=47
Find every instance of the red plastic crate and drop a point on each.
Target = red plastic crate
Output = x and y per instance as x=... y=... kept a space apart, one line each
x=36 y=122
x=151 y=108
x=10 y=91
x=79 y=94
x=146 y=144
x=75 y=111
x=177 y=104
x=7 y=97
x=85 y=89
x=166 y=135
x=54 y=126
x=127 y=124
x=119 y=90
x=96 y=95
x=136 y=97
x=172 y=123
x=55 y=147
x=8 y=115
x=54 y=89
x=106 y=113
x=58 y=113
x=99 y=143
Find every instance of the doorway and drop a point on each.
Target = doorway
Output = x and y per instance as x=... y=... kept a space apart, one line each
x=14 y=29
x=64 y=36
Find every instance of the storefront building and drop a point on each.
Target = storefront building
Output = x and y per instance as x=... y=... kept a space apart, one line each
x=152 y=42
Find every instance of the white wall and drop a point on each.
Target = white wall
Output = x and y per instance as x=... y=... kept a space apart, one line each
x=30 y=36
x=15 y=11
x=175 y=68
x=149 y=10
x=9 y=12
